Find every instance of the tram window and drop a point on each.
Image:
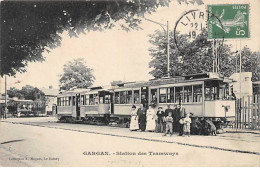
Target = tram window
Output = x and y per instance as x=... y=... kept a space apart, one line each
x=129 y=97
x=136 y=97
x=116 y=97
x=187 y=94
x=178 y=94
x=82 y=100
x=96 y=98
x=73 y=100
x=211 y=93
x=70 y=101
x=101 y=99
x=64 y=101
x=162 y=95
x=87 y=100
x=222 y=92
x=153 y=95
x=91 y=99
x=61 y=101
x=197 y=93
x=107 y=99
x=58 y=101
x=123 y=97
x=211 y=90
x=170 y=95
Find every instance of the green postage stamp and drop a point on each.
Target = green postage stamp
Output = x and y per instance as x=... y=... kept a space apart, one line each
x=229 y=21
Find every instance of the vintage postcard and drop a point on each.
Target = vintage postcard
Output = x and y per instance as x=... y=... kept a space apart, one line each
x=130 y=83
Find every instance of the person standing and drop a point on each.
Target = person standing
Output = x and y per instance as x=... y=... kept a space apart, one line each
x=167 y=111
x=169 y=121
x=134 y=119
x=175 y=119
x=186 y=125
x=178 y=117
x=160 y=120
x=1 y=113
x=142 y=117
x=151 y=116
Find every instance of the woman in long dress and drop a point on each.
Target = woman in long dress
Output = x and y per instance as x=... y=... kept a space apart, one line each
x=134 y=119
x=151 y=116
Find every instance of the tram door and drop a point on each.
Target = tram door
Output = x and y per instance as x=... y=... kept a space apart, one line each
x=144 y=96
x=106 y=97
x=77 y=106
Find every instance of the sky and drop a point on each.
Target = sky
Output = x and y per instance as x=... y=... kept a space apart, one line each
x=119 y=55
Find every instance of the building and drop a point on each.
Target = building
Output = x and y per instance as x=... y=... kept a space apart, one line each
x=50 y=100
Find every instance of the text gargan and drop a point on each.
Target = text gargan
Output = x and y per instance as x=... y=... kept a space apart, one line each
x=95 y=153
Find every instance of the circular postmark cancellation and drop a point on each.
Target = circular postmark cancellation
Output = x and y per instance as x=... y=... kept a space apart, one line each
x=193 y=22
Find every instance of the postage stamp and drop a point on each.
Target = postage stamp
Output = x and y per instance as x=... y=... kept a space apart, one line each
x=233 y=21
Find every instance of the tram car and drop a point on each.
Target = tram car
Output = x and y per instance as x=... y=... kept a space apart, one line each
x=91 y=105
x=203 y=95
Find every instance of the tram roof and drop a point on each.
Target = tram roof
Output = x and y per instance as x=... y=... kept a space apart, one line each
x=91 y=90
x=174 y=80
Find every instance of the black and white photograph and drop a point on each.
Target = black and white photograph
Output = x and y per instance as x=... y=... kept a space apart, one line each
x=129 y=83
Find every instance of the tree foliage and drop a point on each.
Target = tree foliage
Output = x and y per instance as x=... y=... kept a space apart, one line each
x=27 y=92
x=251 y=62
x=29 y=28
x=76 y=74
x=196 y=56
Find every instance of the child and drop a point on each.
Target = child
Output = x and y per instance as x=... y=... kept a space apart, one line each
x=186 y=123
x=169 y=121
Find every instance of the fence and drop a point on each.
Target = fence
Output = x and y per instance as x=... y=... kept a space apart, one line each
x=247 y=112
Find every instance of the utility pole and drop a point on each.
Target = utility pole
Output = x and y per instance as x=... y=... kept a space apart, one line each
x=168 y=51
x=5 y=111
x=168 y=42
x=5 y=93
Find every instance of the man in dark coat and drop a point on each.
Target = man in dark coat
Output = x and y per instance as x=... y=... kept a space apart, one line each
x=141 y=112
x=178 y=116
x=160 y=125
x=175 y=119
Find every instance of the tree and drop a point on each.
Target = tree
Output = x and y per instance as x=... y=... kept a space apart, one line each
x=14 y=92
x=28 y=28
x=196 y=56
x=27 y=92
x=251 y=62
x=76 y=74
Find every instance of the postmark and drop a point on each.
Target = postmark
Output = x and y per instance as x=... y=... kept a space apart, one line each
x=192 y=23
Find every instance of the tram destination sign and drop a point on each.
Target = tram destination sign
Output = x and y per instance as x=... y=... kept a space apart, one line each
x=229 y=21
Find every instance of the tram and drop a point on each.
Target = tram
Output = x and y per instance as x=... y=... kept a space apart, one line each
x=203 y=95
x=93 y=105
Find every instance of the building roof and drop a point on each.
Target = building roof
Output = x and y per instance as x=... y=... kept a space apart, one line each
x=50 y=92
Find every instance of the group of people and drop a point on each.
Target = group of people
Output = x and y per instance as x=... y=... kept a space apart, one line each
x=168 y=121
